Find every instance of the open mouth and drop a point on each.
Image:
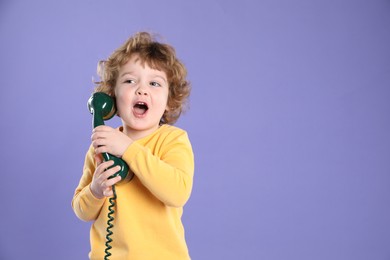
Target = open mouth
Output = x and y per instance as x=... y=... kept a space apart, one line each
x=140 y=108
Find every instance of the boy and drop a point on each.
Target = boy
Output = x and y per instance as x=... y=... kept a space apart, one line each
x=149 y=85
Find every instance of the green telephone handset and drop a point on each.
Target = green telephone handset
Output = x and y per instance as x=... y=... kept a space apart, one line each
x=102 y=108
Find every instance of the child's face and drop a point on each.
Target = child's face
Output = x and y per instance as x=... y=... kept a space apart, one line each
x=141 y=97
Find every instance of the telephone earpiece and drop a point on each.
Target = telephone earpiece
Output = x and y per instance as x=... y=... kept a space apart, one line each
x=102 y=108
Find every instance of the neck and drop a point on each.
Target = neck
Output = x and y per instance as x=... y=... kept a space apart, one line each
x=137 y=134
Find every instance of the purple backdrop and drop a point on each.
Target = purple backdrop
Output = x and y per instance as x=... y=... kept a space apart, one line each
x=289 y=121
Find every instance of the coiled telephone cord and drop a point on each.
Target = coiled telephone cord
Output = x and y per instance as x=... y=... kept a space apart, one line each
x=110 y=225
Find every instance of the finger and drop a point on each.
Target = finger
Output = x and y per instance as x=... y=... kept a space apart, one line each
x=98 y=135
x=102 y=128
x=113 y=181
x=97 y=142
x=108 y=192
x=94 y=136
x=99 y=149
x=110 y=172
x=101 y=169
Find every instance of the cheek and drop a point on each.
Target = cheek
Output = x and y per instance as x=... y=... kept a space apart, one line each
x=122 y=97
x=164 y=102
x=165 y=98
x=122 y=104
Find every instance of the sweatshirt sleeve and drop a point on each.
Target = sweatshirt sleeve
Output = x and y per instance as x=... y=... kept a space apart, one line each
x=168 y=172
x=85 y=205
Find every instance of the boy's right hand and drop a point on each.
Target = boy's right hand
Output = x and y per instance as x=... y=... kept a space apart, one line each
x=101 y=186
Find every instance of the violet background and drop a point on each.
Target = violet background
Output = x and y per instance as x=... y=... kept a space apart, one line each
x=289 y=121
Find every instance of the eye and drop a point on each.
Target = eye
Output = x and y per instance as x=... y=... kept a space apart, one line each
x=129 y=81
x=155 y=84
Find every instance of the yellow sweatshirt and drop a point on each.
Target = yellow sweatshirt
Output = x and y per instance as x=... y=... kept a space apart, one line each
x=148 y=209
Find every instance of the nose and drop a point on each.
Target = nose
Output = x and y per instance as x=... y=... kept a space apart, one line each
x=141 y=92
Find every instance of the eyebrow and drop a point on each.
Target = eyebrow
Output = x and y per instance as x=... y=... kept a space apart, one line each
x=161 y=77
x=125 y=73
x=153 y=75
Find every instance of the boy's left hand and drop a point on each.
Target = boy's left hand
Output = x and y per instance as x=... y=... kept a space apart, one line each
x=106 y=139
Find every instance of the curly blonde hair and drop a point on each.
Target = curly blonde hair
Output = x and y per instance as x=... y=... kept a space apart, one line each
x=156 y=55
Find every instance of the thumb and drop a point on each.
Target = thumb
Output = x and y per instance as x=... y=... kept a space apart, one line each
x=98 y=159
